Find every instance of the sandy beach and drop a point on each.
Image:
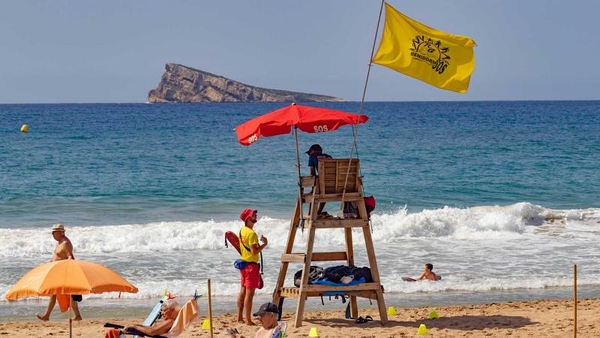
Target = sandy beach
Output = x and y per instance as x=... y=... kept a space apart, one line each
x=542 y=318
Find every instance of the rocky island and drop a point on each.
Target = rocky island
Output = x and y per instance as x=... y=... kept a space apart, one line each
x=181 y=84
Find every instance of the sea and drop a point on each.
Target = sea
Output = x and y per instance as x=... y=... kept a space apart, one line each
x=502 y=197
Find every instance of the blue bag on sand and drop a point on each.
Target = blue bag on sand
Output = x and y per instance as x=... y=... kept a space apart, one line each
x=240 y=264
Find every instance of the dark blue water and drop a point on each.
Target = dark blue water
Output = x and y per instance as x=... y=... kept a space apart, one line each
x=124 y=163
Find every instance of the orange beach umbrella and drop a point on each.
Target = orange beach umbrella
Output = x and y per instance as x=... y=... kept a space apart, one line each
x=69 y=277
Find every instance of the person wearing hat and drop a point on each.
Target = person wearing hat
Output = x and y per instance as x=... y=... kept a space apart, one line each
x=63 y=250
x=315 y=152
x=267 y=315
x=249 y=274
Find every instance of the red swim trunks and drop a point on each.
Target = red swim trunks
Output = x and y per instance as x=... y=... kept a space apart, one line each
x=250 y=276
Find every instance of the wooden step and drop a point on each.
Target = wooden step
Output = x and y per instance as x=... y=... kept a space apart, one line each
x=364 y=290
x=337 y=197
x=316 y=256
x=331 y=223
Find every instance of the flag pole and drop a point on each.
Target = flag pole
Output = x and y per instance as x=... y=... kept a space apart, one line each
x=362 y=100
x=360 y=109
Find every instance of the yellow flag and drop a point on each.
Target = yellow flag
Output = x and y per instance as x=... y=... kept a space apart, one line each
x=435 y=57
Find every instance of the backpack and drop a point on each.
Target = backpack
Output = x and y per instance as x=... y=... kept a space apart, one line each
x=315 y=273
x=351 y=208
x=364 y=272
x=335 y=273
x=370 y=204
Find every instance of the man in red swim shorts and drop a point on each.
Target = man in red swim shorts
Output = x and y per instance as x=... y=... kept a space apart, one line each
x=250 y=274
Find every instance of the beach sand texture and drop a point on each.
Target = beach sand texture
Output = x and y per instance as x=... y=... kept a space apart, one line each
x=544 y=318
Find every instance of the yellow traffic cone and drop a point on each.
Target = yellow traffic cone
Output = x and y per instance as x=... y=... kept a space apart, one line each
x=313 y=333
x=391 y=311
x=433 y=315
x=422 y=330
x=206 y=324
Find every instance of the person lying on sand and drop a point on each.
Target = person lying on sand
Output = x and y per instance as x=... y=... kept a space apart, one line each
x=168 y=311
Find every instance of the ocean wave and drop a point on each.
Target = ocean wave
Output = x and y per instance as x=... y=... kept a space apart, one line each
x=475 y=223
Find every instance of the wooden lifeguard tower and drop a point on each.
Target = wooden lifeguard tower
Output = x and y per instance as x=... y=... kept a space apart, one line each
x=338 y=180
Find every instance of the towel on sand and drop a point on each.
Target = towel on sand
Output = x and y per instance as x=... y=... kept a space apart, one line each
x=186 y=315
x=112 y=333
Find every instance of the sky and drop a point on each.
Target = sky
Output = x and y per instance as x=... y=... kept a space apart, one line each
x=114 y=51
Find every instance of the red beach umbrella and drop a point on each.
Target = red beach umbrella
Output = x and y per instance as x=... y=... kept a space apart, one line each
x=306 y=118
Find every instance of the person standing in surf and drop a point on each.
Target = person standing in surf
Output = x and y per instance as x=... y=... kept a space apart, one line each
x=250 y=274
x=63 y=250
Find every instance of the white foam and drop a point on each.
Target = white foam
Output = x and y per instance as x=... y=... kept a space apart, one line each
x=474 y=249
x=476 y=223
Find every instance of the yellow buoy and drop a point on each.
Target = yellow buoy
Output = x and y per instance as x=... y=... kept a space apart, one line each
x=24 y=128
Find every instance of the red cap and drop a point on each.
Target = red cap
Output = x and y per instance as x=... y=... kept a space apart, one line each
x=247 y=213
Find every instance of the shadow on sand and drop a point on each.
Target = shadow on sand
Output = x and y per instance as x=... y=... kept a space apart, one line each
x=465 y=322
x=469 y=322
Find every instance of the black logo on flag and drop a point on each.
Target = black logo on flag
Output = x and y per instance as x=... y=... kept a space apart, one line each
x=429 y=51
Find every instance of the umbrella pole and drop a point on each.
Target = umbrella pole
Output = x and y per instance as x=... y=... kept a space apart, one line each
x=299 y=175
x=297 y=152
x=70 y=317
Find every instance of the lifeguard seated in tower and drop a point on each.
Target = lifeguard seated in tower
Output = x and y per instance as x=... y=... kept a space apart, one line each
x=315 y=153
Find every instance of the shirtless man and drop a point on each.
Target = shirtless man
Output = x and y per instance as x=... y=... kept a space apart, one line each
x=428 y=273
x=63 y=250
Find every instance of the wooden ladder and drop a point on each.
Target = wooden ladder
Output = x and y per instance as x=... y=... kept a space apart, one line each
x=338 y=180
